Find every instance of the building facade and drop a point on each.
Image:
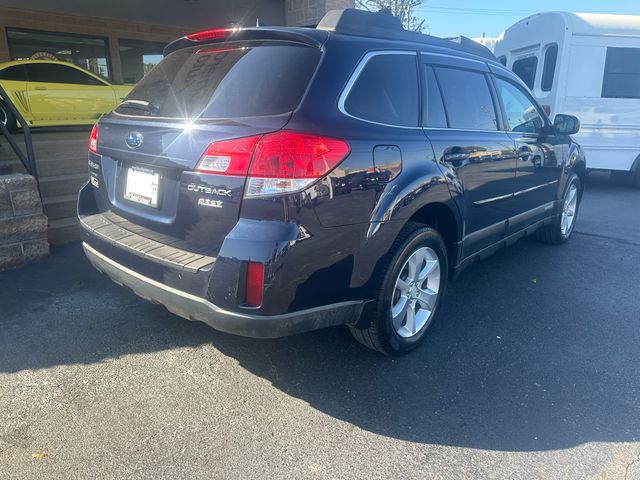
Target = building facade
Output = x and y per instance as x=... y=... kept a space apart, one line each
x=121 y=40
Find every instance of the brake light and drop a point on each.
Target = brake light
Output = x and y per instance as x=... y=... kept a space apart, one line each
x=280 y=162
x=228 y=157
x=286 y=162
x=93 y=140
x=216 y=34
x=255 y=284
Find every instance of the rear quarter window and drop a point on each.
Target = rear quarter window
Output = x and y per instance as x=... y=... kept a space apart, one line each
x=227 y=81
x=386 y=91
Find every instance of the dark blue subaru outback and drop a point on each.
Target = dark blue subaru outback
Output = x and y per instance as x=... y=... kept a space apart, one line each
x=269 y=181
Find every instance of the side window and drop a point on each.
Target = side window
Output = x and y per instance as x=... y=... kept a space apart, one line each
x=467 y=99
x=526 y=69
x=16 y=73
x=503 y=60
x=52 y=73
x=622 y=73
x=386 y=91
x=522 y=114
x=433 y=114
x=549 y=68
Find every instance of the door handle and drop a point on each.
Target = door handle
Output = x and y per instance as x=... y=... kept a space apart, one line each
x=39 y=88
x=455 y=157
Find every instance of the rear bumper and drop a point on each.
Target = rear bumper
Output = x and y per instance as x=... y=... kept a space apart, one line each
x=192 y=307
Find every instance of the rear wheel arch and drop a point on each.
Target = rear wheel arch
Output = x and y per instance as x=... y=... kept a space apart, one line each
x=443 y=218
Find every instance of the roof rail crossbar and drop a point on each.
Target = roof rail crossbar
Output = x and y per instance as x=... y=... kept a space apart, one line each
x=350 y=21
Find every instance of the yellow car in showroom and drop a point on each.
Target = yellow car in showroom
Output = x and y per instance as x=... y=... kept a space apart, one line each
x=52 y=93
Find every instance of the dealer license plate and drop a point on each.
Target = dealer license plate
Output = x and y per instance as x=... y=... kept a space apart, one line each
x=142 y=186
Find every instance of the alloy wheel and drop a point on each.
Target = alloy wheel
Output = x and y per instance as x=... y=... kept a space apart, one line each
x=569 y=210
x=415 y=293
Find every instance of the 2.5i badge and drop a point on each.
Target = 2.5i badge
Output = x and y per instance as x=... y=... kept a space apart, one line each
x=209 y=202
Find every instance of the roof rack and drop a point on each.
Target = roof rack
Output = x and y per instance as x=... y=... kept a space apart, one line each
x=350 y=21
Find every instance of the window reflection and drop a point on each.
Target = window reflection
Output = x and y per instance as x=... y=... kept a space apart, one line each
x=87 y=52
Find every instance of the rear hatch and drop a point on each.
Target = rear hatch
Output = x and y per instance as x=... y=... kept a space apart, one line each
x=151 y=144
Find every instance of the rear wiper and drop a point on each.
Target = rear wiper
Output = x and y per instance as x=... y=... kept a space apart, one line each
x=140 y=105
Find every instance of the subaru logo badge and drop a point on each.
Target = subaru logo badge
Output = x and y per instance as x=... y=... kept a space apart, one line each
x=134 y=140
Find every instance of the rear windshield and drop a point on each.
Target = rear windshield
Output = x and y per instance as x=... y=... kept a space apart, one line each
x=228 y=80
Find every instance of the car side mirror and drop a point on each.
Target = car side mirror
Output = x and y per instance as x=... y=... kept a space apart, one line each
x=566 y=124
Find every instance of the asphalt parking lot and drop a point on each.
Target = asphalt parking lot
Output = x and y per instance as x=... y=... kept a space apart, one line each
x=532 y=372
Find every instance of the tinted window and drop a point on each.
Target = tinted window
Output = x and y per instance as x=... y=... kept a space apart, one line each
x=231 y=81
x=522 y=114
x=386 y=91
x=16 y=73
x=526 y=70
x=434 y=115
x=549 y=68
x=467 y=99
x=622 y=73
x=52 y=73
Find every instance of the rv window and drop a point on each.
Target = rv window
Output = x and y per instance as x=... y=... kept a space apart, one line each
x=434 y=115
x=526 y=68
x=549 y=69
x=622 y=73
x=467 y=99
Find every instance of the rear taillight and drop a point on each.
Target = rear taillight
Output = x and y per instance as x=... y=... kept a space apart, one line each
x=289 y=161
x=93 y=140
x=255 y=284
x=216 y=34
x=280 y=162
x=228 y=157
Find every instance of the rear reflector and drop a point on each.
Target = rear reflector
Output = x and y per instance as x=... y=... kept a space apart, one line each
x=255 y=284
x=280 y=162
x=216 y=34
x=93 y=139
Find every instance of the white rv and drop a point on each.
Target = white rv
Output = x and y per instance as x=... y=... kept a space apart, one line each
x=587 y=65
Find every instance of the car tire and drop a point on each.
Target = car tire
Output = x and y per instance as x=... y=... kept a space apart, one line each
x=411 y=282
x=562 y=228
x=7 y=118
x=635 y=177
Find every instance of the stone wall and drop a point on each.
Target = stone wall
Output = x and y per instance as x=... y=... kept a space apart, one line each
x=301 y=13
x=23 y=226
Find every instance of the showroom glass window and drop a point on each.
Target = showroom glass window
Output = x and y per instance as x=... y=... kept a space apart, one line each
x=622 y=73
x=85 y=51
x=138 y=58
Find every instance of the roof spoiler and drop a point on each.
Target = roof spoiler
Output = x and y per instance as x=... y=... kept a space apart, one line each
x=350 y=21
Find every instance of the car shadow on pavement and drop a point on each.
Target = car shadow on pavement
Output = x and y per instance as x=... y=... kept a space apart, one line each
x=534 y=349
